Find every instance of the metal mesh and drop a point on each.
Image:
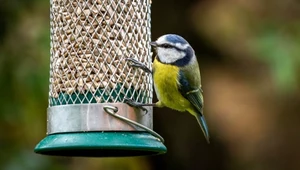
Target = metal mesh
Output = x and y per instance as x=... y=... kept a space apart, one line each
x=90 y=40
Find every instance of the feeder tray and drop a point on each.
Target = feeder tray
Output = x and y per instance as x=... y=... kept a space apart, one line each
x=101 y=144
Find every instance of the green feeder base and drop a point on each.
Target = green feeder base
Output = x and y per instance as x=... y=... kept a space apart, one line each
x=101 y=144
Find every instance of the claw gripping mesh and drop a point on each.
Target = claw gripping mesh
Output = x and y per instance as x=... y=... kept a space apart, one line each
x=90 y=40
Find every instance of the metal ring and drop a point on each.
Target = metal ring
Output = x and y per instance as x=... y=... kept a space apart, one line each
x=93 y=117
x=114 y=109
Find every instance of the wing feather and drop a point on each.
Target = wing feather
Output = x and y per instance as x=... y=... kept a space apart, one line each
x=190 y=88
x=190 y=92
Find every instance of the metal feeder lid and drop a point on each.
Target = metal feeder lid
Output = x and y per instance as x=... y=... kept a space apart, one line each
x=101 y=144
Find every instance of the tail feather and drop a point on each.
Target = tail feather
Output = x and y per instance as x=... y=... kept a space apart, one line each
x=202 y=122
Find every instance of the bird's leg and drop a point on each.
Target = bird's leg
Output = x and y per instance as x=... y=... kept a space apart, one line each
x=137 y=64
x=130 y=102
x=138 y=105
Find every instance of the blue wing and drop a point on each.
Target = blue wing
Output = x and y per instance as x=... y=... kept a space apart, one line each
x=193 y=94
x=195 y=97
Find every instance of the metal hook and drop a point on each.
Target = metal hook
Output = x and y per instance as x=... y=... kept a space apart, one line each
x=112 y=110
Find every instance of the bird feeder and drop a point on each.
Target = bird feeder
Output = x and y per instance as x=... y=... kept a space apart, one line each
x=90 y=78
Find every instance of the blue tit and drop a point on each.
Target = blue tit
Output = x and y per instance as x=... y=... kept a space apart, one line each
x=176 y=77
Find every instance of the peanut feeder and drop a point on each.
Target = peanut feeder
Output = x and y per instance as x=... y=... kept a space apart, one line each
x=90 y=77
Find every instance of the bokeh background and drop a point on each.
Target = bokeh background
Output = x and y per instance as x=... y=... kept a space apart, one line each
x=249 y=53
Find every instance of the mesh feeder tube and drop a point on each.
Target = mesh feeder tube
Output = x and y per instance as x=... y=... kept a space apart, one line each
x=90 y=77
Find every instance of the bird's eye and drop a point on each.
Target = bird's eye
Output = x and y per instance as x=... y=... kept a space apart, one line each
x=166 y=46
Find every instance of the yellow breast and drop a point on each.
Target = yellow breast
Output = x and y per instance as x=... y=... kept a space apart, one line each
x=165 y=78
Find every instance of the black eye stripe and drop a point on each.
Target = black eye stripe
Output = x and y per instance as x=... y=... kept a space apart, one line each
x=166 y=46
x=169 y=46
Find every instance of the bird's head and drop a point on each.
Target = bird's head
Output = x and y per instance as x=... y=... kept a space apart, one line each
x=173 y=49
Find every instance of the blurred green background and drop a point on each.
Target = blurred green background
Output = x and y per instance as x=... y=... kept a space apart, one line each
x=249 y=53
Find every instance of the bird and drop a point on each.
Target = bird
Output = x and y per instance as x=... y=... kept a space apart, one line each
x=176 y=77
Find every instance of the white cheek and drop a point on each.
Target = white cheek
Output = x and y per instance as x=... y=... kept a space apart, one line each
x=169 y=55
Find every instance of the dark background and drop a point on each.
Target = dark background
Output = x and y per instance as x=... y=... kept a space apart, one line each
x=249 y=56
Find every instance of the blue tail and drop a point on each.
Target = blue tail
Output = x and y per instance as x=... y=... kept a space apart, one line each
x=202 y=122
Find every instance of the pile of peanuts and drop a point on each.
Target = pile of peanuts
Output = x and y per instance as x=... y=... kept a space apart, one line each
x=90 y=40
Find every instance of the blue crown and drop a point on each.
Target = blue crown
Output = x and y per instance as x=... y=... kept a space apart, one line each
x=176 y=39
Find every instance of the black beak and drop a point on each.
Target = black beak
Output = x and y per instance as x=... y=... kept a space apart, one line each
x=153 y=44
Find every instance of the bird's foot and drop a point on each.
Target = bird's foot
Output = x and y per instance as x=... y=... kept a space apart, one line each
x=135 y=104
x=137 y=64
